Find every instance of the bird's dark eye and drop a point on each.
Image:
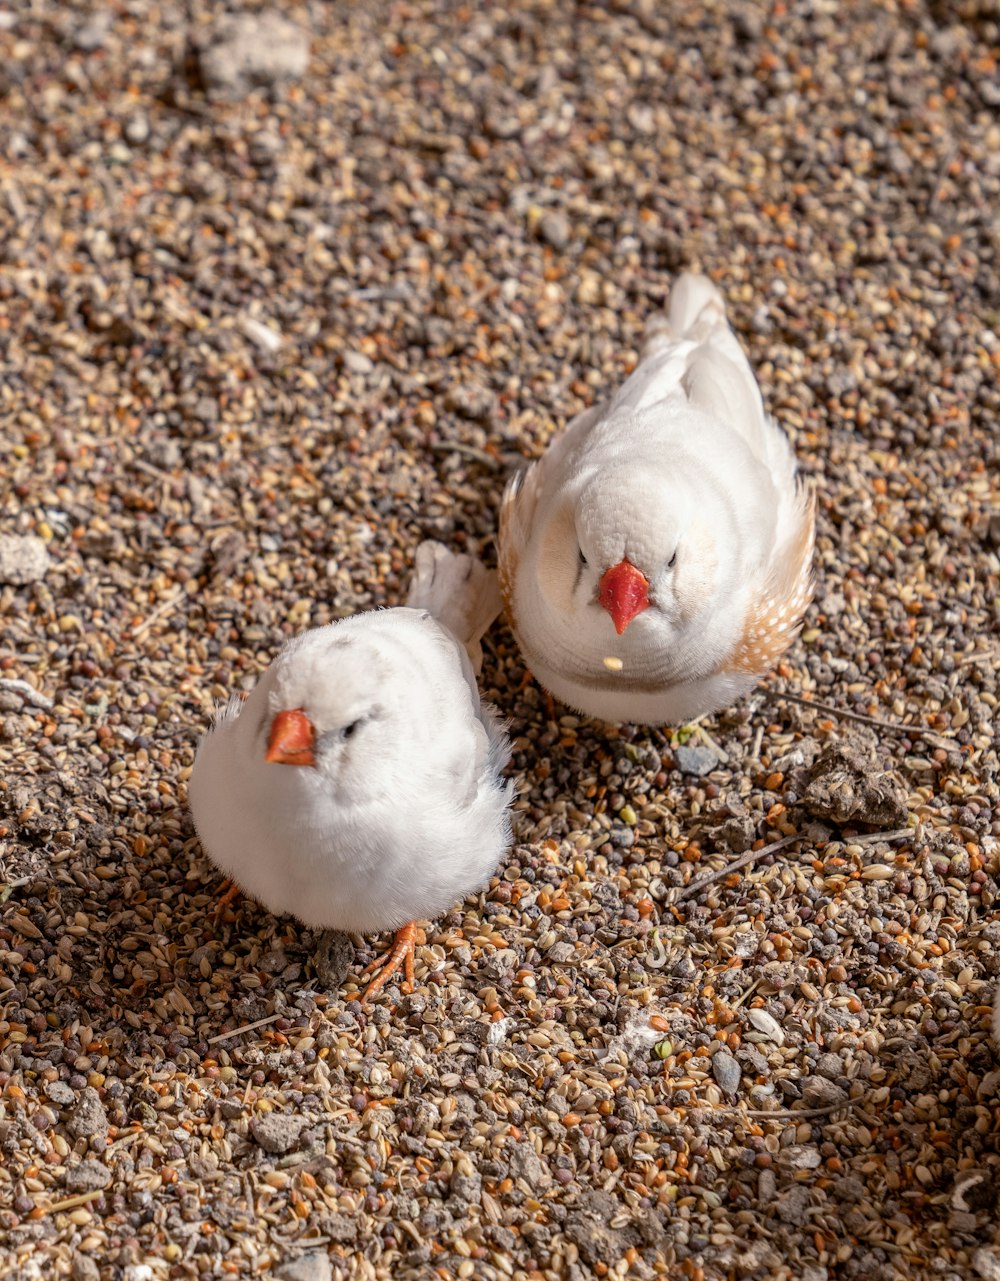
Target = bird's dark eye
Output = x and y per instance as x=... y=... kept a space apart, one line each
x=672 y=561
x=350 y=730
x=583 y=559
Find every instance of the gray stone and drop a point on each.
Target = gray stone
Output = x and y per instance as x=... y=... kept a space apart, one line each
x=695 y=760
x=24 y=558
x=334 y=957
x=88 y=1176
x=357 y=362
x=525 y=1163
x=93 y=33
x=726 y=1071
x=801 y=1156
x=466 y=1187
x=848 y=785
x=137 y=128
x=314 y=1266
x=252 y=51
x=793 y=1206
x=554 y=228
x=829 y=1065
x=60 y=1094
x=819 y=1092
x=276 y=1133
x=89 y=1119
x=986 y=1261
x=470 y=400
x=84 y=1269
x=339 y=1227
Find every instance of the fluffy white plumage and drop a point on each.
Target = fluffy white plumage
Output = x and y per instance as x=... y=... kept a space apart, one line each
x=401 y=811
x=656 y=560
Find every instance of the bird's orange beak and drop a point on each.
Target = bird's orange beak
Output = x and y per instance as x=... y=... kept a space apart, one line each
x=624 y=592
x=292 y=738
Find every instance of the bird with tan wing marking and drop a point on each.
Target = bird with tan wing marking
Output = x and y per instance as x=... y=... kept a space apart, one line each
x=656 y=560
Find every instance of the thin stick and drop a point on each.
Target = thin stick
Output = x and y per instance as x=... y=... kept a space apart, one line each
x=140 y=464
x=892 y=727
x=983 y=656
x=165 y=607
x=870 y=838
x=27 y=692
x=127 y=1139
x=936 y=196
x=247 y=1027
x=467 y=451
x=71 y=1202
x=745 y=996
x=751 y=856
x=792 y=1114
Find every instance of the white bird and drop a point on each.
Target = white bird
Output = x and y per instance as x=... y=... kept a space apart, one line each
x=359 y=786
x=656 y=560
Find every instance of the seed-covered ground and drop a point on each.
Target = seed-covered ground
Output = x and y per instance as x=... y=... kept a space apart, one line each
x=275 y=307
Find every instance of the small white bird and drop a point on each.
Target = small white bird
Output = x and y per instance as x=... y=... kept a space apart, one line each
x=657 y=559
x=359 y=786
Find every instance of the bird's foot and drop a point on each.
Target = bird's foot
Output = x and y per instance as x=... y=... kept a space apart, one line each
x=230 y=891
x=400 y=954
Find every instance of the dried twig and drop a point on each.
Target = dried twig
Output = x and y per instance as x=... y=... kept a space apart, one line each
x=466 y=451
x=247 y=1027
x=71 y=1202
x=140 y=464
x=891 y=727
x=871 y=838
x=27 y=692
x=751 y=856
x=745 y=996
x=126 y=1140
x=991 y=655
x=7 y=888
x=165 y=607
x=795 y=1114
x=937 y=196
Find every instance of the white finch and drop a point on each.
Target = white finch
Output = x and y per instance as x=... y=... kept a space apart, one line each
x=655 y=561
x=359 y=786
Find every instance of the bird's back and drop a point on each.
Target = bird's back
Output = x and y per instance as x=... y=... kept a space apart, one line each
x=691 y=358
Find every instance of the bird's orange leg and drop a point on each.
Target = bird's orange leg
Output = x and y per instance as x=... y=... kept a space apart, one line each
x=383 y=967
x=231 y=891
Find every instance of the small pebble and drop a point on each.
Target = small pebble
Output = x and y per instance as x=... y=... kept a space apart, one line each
x=24 y=558
x=697 y=760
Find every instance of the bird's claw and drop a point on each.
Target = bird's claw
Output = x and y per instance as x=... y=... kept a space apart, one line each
x=384 y=966
x=231 y=891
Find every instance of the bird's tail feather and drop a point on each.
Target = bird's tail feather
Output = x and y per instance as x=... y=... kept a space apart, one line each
x=459 y=591
x=694 y=303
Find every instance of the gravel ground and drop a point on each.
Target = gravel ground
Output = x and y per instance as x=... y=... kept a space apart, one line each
x=270 y=314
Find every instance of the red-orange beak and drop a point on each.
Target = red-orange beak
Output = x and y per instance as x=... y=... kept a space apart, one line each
x=292 y=738
x=624 y=592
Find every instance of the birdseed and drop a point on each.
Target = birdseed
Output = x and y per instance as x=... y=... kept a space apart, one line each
x=255 y=348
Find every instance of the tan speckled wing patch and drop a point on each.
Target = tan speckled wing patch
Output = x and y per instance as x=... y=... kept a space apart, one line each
x=508 y=546
x=773 y=620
